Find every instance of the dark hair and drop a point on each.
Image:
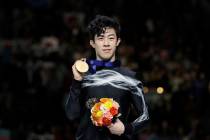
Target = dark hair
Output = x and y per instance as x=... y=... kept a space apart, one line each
x=99 y=23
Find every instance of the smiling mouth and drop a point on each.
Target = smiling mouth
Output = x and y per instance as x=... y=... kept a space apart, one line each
x=106 y=50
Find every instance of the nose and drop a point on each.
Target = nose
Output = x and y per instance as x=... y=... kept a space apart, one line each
x=106 y=42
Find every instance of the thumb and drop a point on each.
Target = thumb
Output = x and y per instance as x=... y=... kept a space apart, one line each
x=118 y=120
x=111 y=125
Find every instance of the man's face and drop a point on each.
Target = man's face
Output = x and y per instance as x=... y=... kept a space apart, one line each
x=105 y=44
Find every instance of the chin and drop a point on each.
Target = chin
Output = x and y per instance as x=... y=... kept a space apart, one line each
x=106 y=57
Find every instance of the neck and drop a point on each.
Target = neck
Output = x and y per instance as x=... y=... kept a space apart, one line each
x=111 y=59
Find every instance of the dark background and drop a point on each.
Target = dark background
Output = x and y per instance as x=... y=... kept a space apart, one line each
x=166 y=42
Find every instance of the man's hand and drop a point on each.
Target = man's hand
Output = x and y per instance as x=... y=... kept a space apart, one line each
x=77 y=75
x=117 y=128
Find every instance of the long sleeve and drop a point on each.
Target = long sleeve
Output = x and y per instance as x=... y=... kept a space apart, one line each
x=141 y=108
x=72 y=106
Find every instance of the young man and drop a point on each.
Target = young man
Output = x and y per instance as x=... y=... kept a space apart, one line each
x=106 y=79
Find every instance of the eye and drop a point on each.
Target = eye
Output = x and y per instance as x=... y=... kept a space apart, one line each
x=111 y=38
x=100 y=38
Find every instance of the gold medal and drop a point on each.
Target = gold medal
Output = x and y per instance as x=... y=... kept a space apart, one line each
x=81 y=66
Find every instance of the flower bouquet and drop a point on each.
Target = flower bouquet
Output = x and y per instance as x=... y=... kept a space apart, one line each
x=104 y=111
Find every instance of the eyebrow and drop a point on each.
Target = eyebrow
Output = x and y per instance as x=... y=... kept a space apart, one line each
x=111 y=35
x=108 y=35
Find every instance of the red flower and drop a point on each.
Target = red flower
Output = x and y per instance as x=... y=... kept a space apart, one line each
x=113 y=111
x=106 y=121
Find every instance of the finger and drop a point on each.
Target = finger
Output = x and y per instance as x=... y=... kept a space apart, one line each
x=74 y=69
x=110 y=126
x=83 y=59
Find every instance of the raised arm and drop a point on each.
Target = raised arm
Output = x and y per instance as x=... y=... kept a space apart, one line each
x=72 y=105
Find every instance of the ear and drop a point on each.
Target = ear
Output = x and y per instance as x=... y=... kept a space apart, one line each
x=92 y=44
x=118 y=41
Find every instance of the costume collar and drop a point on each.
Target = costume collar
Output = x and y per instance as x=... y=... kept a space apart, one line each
x=101 y=64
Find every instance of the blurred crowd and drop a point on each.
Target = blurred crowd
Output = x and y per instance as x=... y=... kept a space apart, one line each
x=164 y=42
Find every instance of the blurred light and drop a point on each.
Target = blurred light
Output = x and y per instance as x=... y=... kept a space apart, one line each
x=146 y=89
x=160 y=90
